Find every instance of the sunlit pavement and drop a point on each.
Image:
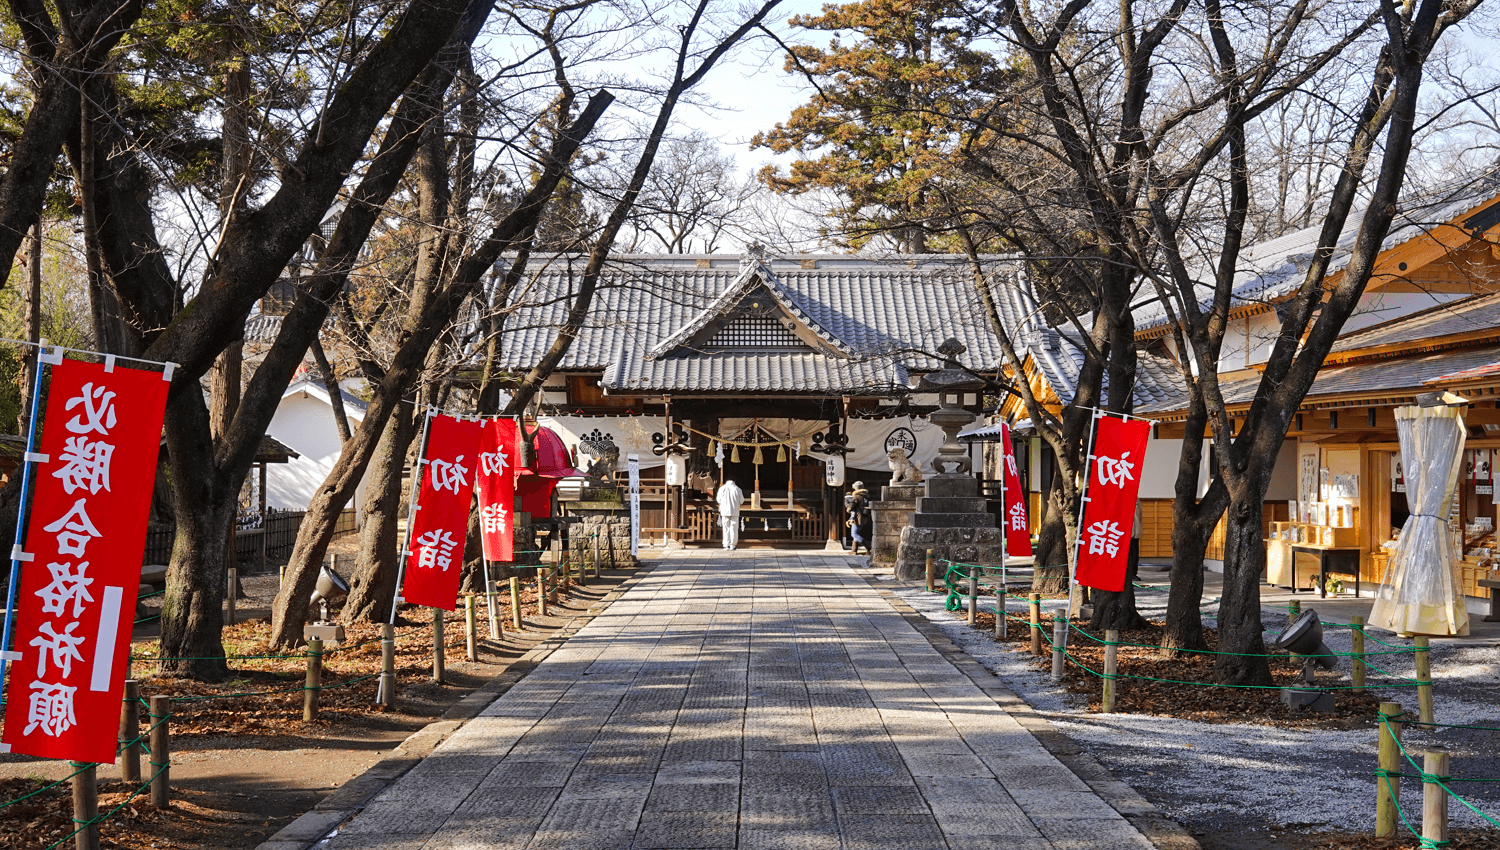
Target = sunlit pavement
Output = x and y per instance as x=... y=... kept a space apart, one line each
x=750 y=699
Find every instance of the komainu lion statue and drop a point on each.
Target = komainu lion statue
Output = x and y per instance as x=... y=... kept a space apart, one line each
x=903 y=471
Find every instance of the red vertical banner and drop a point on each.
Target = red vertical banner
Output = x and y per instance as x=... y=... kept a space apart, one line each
x=1109 y=514
x=435 y=544
x=81 y=562
x=497 y=488
x=1017 y=528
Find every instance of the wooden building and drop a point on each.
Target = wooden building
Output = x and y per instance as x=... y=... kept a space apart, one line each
x=1429 y=320
x=765 y=369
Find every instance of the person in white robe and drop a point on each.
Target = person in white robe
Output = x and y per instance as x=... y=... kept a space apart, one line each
x=730 y=498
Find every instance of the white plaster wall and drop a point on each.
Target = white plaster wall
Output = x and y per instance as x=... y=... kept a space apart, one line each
x=304 y=423
x=1284 y=476
x=1377 y=307
x=1248 y=341
x=1159 y=473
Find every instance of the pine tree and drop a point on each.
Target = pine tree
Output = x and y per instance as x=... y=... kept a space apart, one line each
x=893 y=109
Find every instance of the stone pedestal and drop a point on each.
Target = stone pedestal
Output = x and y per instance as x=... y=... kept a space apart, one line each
x=952 y=521
x=892 y=514
x=610 y=520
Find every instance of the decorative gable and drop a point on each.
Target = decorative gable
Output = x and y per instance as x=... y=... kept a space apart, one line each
x=748 y=331
x=749 y=316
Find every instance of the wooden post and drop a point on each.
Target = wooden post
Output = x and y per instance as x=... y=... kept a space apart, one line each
x=1059 y=643
x=314 y=679
x=1036 y=624
x=161 y=752
x=471 y=629
x=931 y=572
x=85 y=806
x=973 y=594
x=386 y=695
x=234 y=583
x=1424 y=680
x=541 y=591
x=1357 y=663
x=1111 y=650
x=1293 y=611
x=1387 y=784
x=439 y=645
x=1002 y=625
x=492 y=603
x=130 y=730
x=492 y=592
x=515 y=602
x=1435 y=798
x=596 y=553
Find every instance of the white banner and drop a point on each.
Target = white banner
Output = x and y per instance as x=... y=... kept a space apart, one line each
x=625 y=433
x=634 y=461
x=871 y=441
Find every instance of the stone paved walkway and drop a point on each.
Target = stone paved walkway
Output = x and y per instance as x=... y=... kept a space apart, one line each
x=742 y=700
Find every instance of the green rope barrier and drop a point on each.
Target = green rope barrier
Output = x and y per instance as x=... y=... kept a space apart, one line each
x=46 y=787
x=111 y=813
x=201 y=698
x=1440 y=781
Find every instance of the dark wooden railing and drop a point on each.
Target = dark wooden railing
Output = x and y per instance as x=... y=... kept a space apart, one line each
x=277 y=528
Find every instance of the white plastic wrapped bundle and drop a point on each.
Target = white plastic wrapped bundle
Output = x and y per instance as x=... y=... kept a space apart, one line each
x=1418 y=595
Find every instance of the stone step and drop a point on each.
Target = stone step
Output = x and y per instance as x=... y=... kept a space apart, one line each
x=963 y=520
x=962 y=485
x=951 y=505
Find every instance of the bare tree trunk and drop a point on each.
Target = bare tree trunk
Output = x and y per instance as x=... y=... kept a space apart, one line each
x=1116 y=610
x=225 y=399
x=373 y=584
x=33 y=321
x=1240 y=627
x=420 y=334
x=192 y=615
x=104 y=306
x=1052 y=538
x=1190 y=533
x=335 y=395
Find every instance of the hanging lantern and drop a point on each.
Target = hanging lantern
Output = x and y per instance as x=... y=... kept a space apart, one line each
x=676 y=470
x=833 y=471
x=781 y=452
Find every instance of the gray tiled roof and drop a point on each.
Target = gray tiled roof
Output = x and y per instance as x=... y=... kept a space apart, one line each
x=1479 y=313
x=806 y=372
x=1273 y=269
x=1060 y=356
x=867 y=308
x=1397 y=377
x=880 y=312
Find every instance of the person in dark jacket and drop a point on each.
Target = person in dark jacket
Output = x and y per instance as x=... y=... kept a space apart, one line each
x=861 y=522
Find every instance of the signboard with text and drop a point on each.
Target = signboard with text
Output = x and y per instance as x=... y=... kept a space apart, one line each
x=435 y=543
x=497 y=488
x=1114 y=482
x=1017 y=528
x=81 y=564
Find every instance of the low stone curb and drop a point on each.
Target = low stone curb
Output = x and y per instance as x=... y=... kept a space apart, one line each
x=351 y=797
x=1159 y=829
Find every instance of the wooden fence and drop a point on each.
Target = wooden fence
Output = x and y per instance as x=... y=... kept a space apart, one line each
x=277 y=528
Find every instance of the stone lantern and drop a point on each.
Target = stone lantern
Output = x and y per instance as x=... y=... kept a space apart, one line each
x=951 y=383
x=951 y=520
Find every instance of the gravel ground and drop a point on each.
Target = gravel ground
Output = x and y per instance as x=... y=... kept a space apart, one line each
x=1245 y=779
